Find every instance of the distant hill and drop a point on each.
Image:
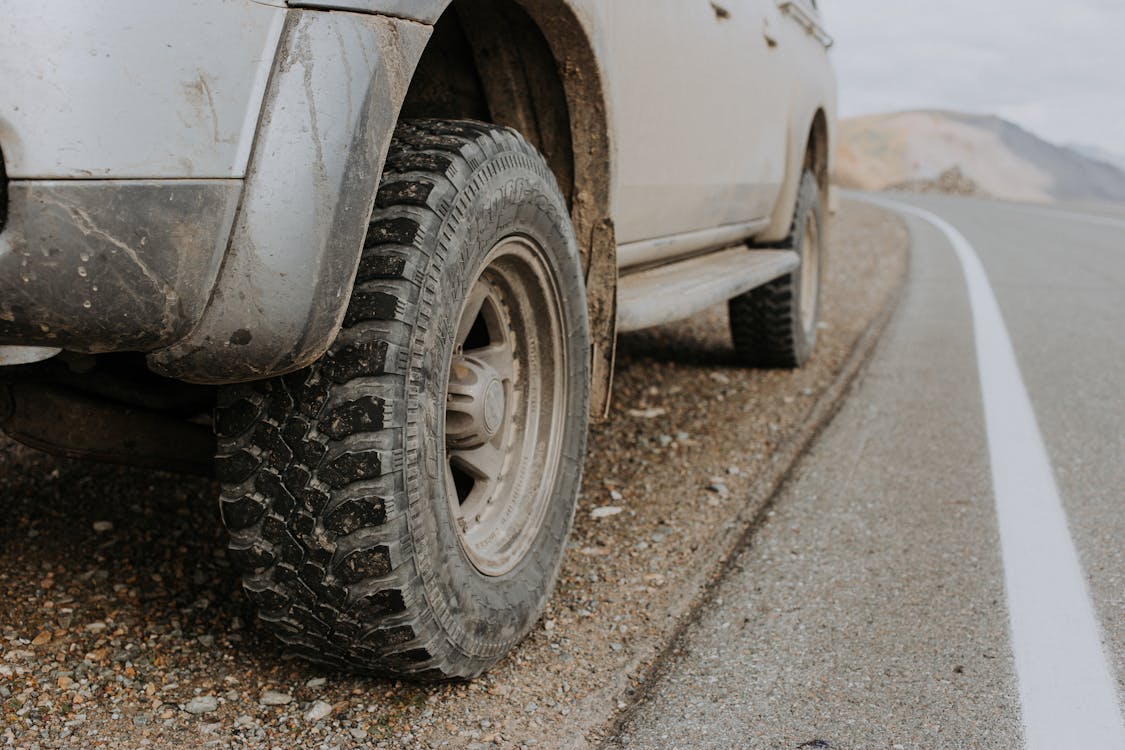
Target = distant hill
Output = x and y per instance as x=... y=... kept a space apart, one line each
x=982 y=153
x=1099 y=154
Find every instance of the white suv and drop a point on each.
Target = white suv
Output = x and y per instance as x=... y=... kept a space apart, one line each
x=390 y=244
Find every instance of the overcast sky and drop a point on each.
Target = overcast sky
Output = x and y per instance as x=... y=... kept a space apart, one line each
x=1055 y=67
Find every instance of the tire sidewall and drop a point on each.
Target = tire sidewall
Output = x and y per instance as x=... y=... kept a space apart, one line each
x=483 y=616
x=808 y=207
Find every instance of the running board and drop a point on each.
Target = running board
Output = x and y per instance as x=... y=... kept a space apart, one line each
x=679 y=290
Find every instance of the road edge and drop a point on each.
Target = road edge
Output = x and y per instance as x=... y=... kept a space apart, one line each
x=738 y=532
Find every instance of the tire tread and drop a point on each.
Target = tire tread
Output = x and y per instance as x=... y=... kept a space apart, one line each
x=765 y=322
x=299 y=456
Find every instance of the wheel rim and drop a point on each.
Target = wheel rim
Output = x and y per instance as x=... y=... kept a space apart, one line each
x=810 y=274
x=505 y=406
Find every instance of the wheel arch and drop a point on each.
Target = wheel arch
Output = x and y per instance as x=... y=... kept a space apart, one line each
x=532 y=65
x=309 y=257
x=817 y=155
x=810 y=148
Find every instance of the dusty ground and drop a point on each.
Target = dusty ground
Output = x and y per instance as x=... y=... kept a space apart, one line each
x=123 y=625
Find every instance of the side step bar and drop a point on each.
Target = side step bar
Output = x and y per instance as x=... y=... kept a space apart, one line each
x=679 y=290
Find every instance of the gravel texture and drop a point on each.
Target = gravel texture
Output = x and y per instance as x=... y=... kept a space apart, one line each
x=123 y=624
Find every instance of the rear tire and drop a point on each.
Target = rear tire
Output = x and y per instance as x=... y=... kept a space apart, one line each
x=775 y=325
x=401 y=507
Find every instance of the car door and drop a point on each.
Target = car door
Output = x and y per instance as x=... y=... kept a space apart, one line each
x=696 y=100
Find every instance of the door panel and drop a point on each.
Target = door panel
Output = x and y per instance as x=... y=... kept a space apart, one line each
x=698 y=104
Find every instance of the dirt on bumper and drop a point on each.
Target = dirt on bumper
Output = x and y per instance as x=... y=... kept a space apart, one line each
x=110 y=265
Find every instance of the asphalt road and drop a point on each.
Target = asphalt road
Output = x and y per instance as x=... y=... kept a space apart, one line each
x=918 y=583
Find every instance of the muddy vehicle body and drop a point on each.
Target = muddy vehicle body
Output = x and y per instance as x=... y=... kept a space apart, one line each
x=365 y=261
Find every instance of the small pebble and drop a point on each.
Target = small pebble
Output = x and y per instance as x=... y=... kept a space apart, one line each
x=719 y=487
x=202 y=704
x=275 y=698
x=652 y=413
x=318 y=711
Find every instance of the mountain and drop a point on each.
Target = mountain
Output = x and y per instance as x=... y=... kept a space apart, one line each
x=920 y=150
x=1097 y=153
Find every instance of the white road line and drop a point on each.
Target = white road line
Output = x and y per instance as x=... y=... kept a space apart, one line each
x=1067 y=691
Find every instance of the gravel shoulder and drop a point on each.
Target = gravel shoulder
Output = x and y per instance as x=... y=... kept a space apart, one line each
x=124 y=625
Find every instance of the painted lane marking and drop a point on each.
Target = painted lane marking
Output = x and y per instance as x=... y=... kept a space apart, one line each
x=1066 y=686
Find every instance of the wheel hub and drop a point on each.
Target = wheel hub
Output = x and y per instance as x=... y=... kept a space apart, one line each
x=505 y=406
x=476 y=403
x=493 y=406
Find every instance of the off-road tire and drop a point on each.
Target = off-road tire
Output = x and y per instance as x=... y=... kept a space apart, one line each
x=775 y=325
x=329 y=474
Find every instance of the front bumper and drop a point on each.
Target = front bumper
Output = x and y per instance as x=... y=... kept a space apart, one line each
x=110 y=265
x=220 y=280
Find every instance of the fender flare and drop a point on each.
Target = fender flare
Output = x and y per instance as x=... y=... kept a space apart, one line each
x=326 y=123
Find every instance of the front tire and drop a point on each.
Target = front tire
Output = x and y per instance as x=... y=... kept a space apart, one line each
x=401 y=506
